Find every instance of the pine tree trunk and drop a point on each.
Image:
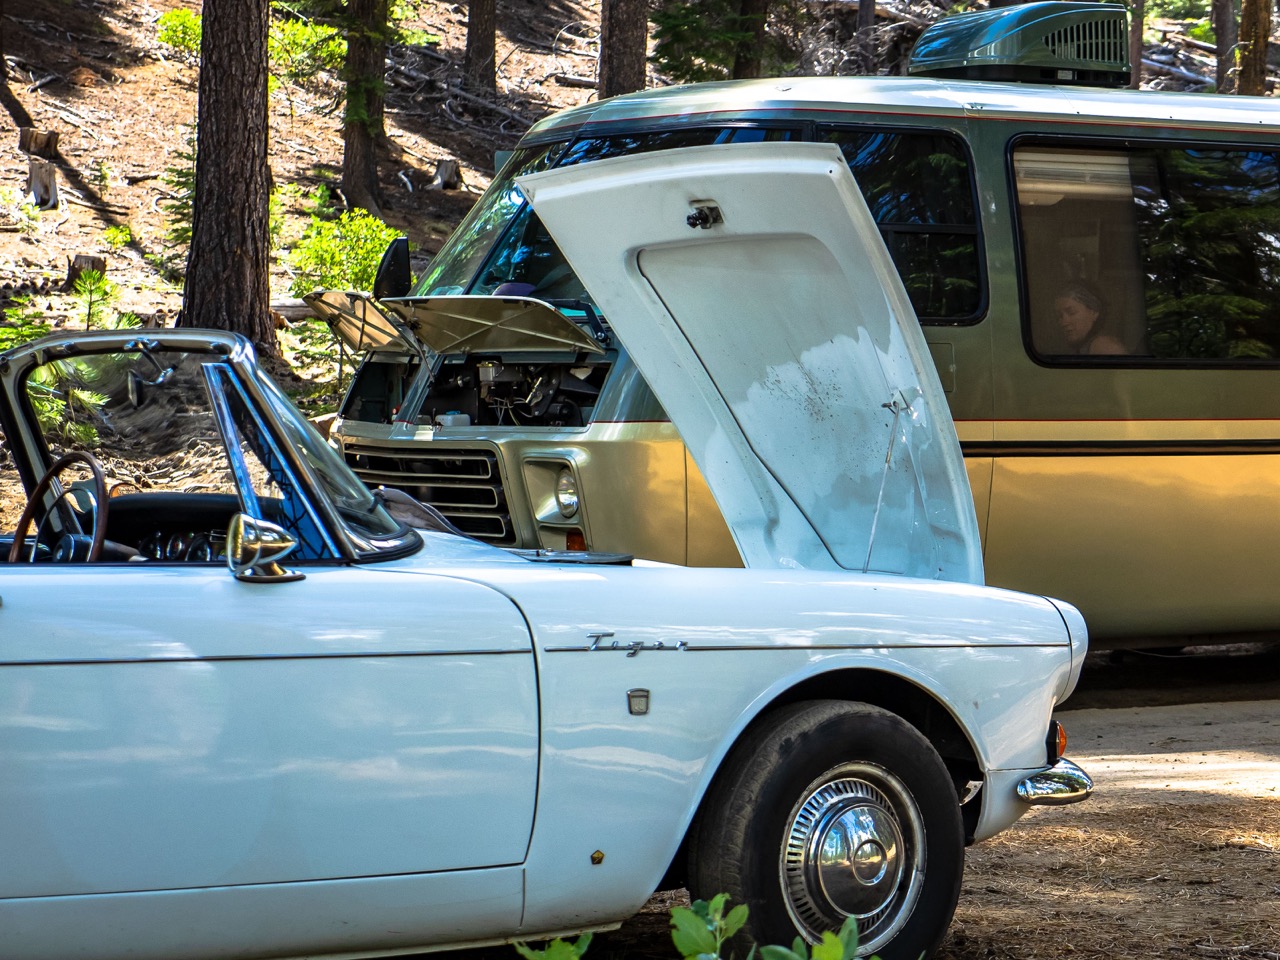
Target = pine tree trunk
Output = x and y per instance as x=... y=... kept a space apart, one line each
x=748 y=58
x=624 y=46
x=1135 y=43
x=1227 y=32
x=477 y=60
x=363 y=128
x=227 y=283
x=1255 y=31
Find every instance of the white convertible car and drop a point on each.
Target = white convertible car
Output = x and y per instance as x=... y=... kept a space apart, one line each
x=375 y=735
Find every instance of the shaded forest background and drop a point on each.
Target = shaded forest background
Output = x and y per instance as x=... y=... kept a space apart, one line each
x=422 y=94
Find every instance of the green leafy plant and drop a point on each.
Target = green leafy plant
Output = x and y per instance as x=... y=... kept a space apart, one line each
x=833 y=946
x=23 y=322
x=556 y=950
x=117 y=236
x=180 y=178
x=340 y=254
x=299 y=49
x=100 y=176
x=64 y=402
x=180 y=29
x=417 y=38
x=700 y=929
x=95 y=294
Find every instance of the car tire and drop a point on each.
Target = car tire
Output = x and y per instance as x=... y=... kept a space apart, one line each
x=828 y=809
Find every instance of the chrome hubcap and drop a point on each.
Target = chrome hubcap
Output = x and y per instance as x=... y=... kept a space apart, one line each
x=854 y=847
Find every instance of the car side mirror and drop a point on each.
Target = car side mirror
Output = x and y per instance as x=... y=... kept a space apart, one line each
x=394 y=277
x=255 y=547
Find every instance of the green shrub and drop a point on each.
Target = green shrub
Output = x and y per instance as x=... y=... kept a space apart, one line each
x=700 y=930
x=117 y=236
x=299 y=49
x=1177 y=9
x=23 y=322
x=180 y=29
x=340 y=254
x=180 y=178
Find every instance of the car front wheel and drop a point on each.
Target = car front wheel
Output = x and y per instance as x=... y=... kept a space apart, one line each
x=827 y=810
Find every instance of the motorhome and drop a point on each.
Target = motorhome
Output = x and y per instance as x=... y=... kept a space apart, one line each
x=1096 y=270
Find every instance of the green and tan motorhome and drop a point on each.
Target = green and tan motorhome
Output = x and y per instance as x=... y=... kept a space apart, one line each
x=1097 y=272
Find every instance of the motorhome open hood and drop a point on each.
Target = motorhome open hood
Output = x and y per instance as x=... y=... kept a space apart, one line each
x=357 y=321
x=450 y=325
x=751 y=286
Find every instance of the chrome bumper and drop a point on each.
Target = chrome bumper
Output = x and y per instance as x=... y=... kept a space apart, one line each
x=1064 y=782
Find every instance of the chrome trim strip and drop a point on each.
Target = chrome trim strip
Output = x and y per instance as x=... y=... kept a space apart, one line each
x=684 y=646
x=235 y=657
x=1062 y=783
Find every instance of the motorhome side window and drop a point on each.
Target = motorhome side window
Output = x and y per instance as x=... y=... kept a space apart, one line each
x=919 y=187
x=1152 y=253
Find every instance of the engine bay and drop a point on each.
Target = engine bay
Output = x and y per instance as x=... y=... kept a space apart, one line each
x=488 y=391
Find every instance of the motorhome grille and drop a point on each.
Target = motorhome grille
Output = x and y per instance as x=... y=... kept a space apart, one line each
x=464 y=484
x=1102 y=41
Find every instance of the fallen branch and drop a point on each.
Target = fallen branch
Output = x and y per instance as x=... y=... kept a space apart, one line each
x=569 y=80
x=488 y=105
x=40 y=83
x=1172 y=71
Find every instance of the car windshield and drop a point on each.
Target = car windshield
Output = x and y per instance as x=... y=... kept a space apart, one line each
x=361 y=511
x=181 y=441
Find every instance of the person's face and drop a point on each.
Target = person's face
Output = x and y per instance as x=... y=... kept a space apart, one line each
x=1075 y=319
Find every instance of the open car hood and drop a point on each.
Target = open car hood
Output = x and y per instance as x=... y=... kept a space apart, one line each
x=751 y=286
x=450 y=325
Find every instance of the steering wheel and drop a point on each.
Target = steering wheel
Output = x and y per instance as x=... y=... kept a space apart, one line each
x=37 y=498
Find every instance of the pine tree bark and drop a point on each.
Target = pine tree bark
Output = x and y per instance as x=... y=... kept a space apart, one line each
x=227 y=282
x=478 y=73
x=748 y=57
x=1255 y=31
x=363 y=129
x=624 y=47
x=1226 y=29
x=1138 y=21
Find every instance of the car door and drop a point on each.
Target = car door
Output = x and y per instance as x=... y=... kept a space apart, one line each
x=165 y=725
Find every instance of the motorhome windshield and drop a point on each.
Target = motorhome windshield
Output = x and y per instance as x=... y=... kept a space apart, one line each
x=502 y=246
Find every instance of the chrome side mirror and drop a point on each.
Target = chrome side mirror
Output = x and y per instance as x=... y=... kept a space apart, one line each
x=255 y=547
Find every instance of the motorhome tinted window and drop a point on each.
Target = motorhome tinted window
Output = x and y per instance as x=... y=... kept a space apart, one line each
x=525 y=260
x=919 y=188
x=1158 y=253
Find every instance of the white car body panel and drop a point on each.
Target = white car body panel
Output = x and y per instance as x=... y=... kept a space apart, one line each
x=740 y=327
x=327 y=744
x=428 y=742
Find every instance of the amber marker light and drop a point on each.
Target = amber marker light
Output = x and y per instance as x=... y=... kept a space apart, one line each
x=1057 y=741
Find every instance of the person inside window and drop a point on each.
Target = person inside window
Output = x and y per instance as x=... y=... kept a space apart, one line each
x=1082 y=320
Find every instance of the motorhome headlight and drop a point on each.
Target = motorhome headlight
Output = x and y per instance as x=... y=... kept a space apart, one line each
x=567 y=492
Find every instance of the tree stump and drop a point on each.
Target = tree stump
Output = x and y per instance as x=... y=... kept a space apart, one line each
x=448 y=176
x=42 y=183
x=79 y=265
x=38 y=143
